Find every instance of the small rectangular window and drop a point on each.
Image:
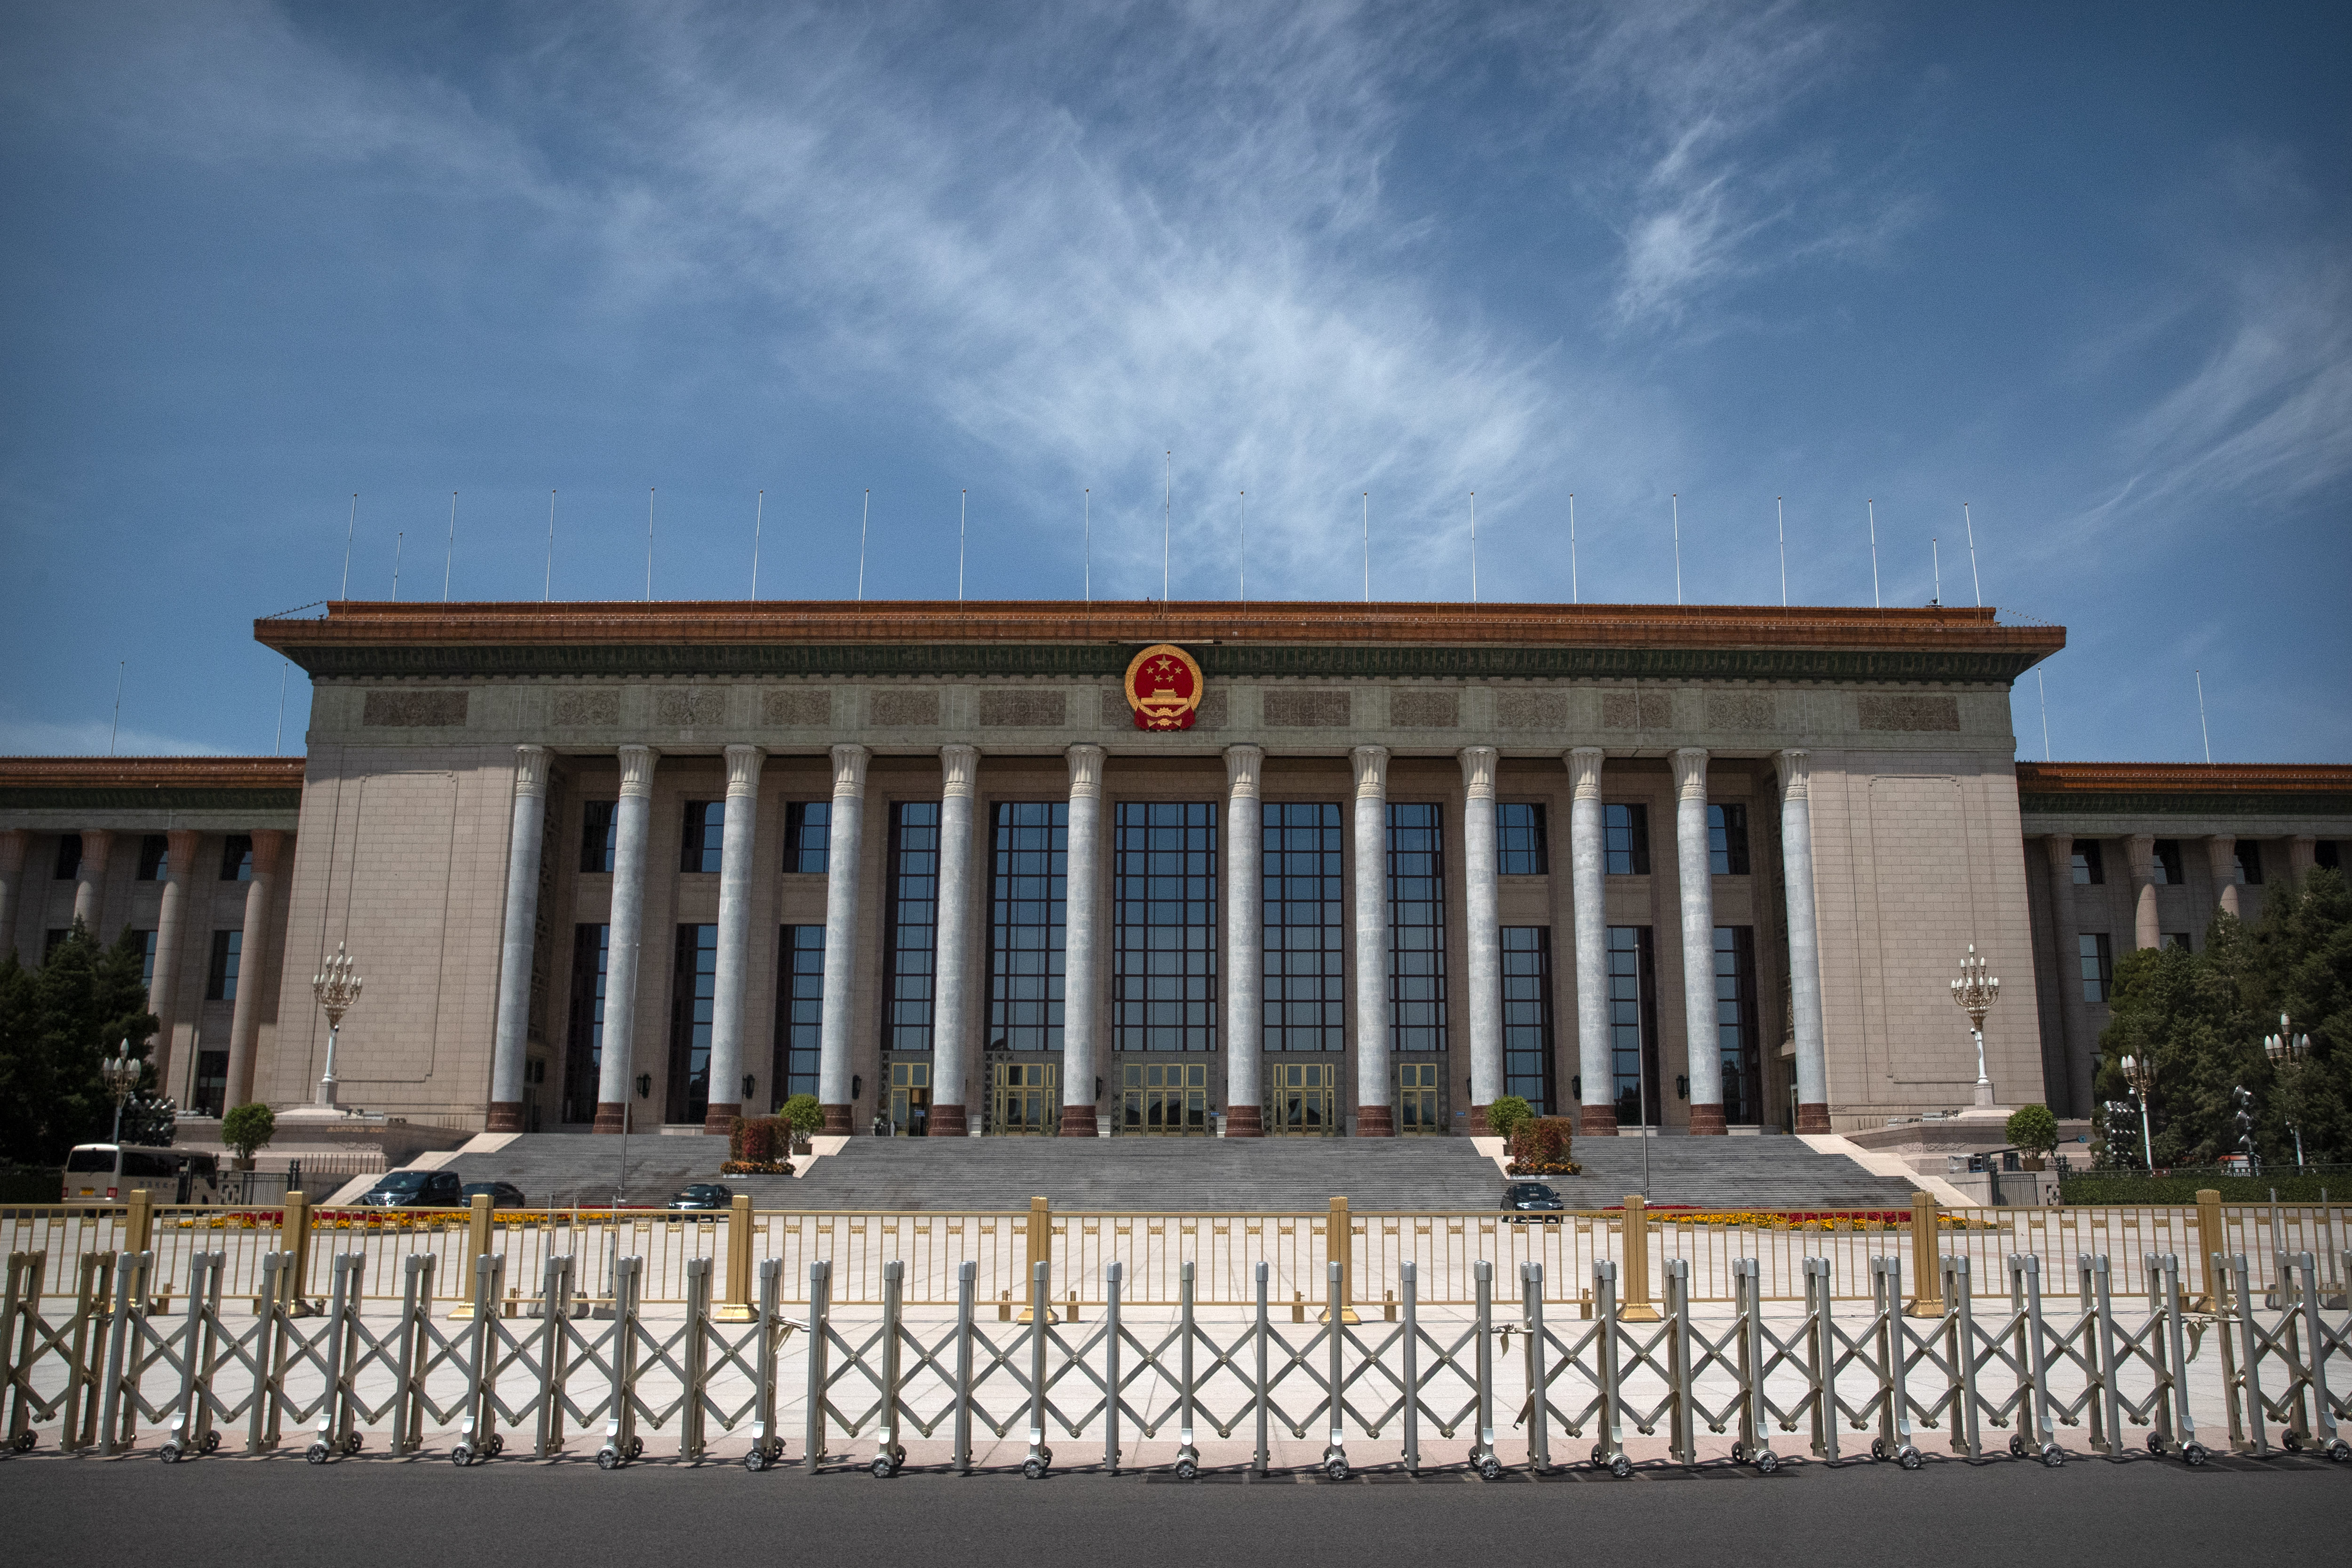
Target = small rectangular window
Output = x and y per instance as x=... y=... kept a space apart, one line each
x=2098 y=965
x=68 y=857
x=706 y=828
x=2090 y=871
x=2179 y=939
x=220 y=976
x=1520 y=839
x=2167 y=863
x=2250 y=863
x=237 y=858
x=808 y=837
x=1626 y=829
x=599 y=834
x=1726 y=839
x=154 y=858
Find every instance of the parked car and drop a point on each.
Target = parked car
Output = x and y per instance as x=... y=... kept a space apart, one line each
x=1532 y=1202
x=502 y=1194
x=416 y=1190
x=704 y=1196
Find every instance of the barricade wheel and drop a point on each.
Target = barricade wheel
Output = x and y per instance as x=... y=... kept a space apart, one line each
x=169 y=1453
x=636 y=1447
x=1766 y=1462
x=498 y=1444
x=2016 y=1446
x=316 y=1453
x=1879 y=1447
x=1033 y=1470
x=1739 y=1452
x=755 y=1461
x=1621 y=1467
x=2053 y=1456
x=1490 y=1469
x=212 y=1442
x=1908 y=1457
x=2155 y=1445
x=2192 y=1454
x=353 y=1443
x=1336 y=1467
x=2291 y=1440
x=24 y=1441
x=1186 y=1469
x=1600 y=1456
x=883 y=1469
x=461 y=1456
x=607 y=1459
x=2339 y=1450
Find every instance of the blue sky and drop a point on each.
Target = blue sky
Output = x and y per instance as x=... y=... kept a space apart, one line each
x=2085 y=268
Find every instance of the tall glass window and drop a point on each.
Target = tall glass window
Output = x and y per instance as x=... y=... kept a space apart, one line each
x=220 y=978
x=1306 y=980
x=68 y=865
x=1526 y=1016
x=598 y=833
x=584 y=1043
x=1164 y=896
x=1028 y=899
x=694 y=990
x=808 y=837
x=2098 y=965
x=155 y=857
x=911 y=926
x=705 y=831
x=1632 y=1025
x=1416 y=928
x=147 y=959
x=2090 y=868
x=799 y=1009
x=237 y=858
x=1520 y=839
x=1726 y=839
x=1625 y=831
x=1735 y=1025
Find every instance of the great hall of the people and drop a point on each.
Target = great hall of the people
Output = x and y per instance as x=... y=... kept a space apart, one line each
x=1048 y=868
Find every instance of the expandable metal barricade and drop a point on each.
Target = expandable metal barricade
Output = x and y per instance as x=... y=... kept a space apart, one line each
x=559 y=1363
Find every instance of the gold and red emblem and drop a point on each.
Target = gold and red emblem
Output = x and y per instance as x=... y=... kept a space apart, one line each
x=1163 y=686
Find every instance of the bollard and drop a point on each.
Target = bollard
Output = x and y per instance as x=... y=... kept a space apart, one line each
x=1634 y=1306
x=1926 y=1255
x=139 y=1221
x=2211 y=1241
x=735 y=1305
x=477 y=1245
x=1339 y=1248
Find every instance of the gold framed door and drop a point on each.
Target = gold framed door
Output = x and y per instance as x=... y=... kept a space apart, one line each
x=910 y=1098
x=1417 y=1100
x=1165 y=1099
x=1302 y=1100
x=1023 y=1097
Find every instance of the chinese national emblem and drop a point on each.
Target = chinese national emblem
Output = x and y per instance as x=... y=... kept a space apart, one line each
x=1163 y=686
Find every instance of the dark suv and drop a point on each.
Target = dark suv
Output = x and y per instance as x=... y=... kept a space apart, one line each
x=416 y=1190
x=1532 y=1202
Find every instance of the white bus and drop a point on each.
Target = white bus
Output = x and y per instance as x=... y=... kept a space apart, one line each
x=111 y=1172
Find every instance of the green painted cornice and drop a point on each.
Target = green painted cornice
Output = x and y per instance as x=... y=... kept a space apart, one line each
x=2169 y=803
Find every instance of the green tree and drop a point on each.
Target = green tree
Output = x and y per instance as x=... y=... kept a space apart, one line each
x=57 y=1025
x=2296 y=959
x=2181 y=1011
x=2033 y=1128
x=1509 y=1114
x=248 y=1127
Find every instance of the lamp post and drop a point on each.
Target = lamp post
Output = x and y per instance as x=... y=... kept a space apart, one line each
x=1974 y=993
x=2286 y=1050
x=121 y=1074
x=336 y=987
x=2141 y=1076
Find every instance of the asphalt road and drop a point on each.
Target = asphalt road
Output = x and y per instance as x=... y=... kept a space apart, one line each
x=372 y=1510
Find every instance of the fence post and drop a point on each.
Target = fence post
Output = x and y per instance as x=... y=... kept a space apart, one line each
x=1482 y=1453
x=1187 y=1453
x=478 y=1243
x=1925 y=1257
x=1531 y=1275
x=139 y=1221
x=555 y=1355
x=820 y=1289
x=1408 y=1284
x=1682 y=1436
x=967 y=1273
x=1112 y=1275
x=294 y=1238
x=735 y=1306
x=2211 y=1243
x=2248 y=1382
x=1040 y=1250
x=115 y=1426
x=1259 y=1457
x=1339 y=1248
x=1612 y=1409
x=888 y=1454
x=1634 y=1306
x=2323 y=1410
x=1821 y=1350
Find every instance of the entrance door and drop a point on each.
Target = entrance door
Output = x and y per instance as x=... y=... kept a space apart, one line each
x=1166 y=1099
x=910 y=1100
x=1023 y=1097
x=1302 y=1099
x=1417 y=1098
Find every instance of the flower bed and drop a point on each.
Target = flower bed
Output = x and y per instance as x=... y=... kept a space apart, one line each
x=1814 y=1219
x=1544 y=1168
x=755 y=1168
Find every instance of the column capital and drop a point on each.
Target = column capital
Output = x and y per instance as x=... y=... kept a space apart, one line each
x=1796 y=773
x=1371 y=766
x=1086 y=771
x=1478 y=771
x=180 y=852
x=743 y=770
x=637 y=769
x=97 y=843
x=12 y=841
x=1243 y=765
x=2139 y=853
x=531 y=770
x=267 y=843
x=1690 y=764
x=849 y=772
x=959 y=768
x=1584 y=772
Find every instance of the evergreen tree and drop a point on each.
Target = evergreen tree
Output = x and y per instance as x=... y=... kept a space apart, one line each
x=57 y=1025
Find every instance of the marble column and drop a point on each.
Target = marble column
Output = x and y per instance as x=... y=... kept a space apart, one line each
x=951 y=1024
x=738 y=833
x=510 y=1033
x=1483 y=901
x=163 y=989
x=89 y=883
x=1244 y=942
x=2221 y=858
x=2139 y=851
x=1587 y=863
x=2080 y=1049
x=1804 y=941
x=253 y=948
x=834 y=1082
x=1082 y=985
x=2301 y=855
x=625 y=943
x=1375 y=1115
x=13 y=843
x=1694 y=879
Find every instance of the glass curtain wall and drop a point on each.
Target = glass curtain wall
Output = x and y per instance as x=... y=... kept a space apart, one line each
x=1028 y=901
x=1416 y=854
x=911 y=926
x=799 y=1009
x=1632 y=1025
x=1305 y=982
x=583 y=1044
x=1164 y=920
x=1526 y=1016
x=694 y=990
x=1735 y=1025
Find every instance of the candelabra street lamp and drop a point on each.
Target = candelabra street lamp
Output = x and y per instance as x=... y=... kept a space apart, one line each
x=1974 y=993
x=2286 y=1050
x=121 y=1075
x=2141 y=1076
x=336 y=987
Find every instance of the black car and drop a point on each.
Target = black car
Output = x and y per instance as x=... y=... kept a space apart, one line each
x=1532 y=1199
x=502 y=1194
x=704 y=1196
x=416 y=1190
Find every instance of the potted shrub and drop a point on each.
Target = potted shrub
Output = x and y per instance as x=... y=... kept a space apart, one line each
x=2034 y=1131
x=1508 y=1115
x=804 y=1116
x=246 y=1128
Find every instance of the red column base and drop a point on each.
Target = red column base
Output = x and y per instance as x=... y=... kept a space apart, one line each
x=1243 y=1122
x=1706 y=1122
x=1077 y=1122
x=1812 y=1118
x=718 y=1119
x=837 y=1120
x=1375 y=1122
x=946 y=1121
x=1596 y=1120
x=506 y=1116
x=1477 y=1121
x=611 y=1116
